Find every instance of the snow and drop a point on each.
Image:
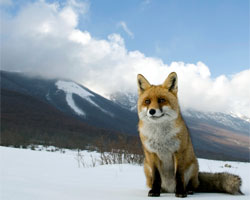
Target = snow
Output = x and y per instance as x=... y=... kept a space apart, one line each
x=71 y=88
x=228 y=120
x=29 y=175
x=238 y=115
x=71 y=103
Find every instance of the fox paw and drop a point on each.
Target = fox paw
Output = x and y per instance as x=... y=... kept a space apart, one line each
x=153 y=193
x=182 y=195
x=190 y=192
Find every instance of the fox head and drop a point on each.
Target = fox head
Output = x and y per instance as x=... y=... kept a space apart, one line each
x=158 y=103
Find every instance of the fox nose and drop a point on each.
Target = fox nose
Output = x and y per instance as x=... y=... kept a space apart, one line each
x=152 y=111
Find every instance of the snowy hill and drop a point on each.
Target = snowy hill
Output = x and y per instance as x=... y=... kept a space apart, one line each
x=29 y=175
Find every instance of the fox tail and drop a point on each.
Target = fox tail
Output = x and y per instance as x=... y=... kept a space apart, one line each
x=219 y=182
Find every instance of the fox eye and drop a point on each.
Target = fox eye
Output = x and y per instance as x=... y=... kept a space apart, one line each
x=161 y=100
x=147 y=101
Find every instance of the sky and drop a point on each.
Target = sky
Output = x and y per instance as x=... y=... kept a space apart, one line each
x=215 y=31
x=105 y=44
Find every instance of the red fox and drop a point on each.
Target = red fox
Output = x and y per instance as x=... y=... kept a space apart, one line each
x=170 y=163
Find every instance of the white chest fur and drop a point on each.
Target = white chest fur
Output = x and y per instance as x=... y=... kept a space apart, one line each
x=160 y=138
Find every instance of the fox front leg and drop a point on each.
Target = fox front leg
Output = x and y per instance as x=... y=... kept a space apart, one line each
x=180 y=190
x=156 y=187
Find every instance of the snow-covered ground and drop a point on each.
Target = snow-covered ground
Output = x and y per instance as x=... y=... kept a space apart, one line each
x=29 y=175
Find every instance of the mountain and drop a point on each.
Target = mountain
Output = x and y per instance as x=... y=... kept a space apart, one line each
x=125 y=100
x=62 y=113
x=26 y=120
x=227 y=121
x=214 y=135
x=73 y=100
x=65 y=113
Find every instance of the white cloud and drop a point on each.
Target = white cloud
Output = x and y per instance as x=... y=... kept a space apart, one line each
x=43 y=38
x=80 y=37
x=124 y=26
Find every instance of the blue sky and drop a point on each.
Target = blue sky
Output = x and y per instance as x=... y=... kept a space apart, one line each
x=104 y=44
x=215 y=32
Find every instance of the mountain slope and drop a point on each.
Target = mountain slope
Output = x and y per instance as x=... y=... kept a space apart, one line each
x=74 y=100
x=226 y=121
x=26 y=120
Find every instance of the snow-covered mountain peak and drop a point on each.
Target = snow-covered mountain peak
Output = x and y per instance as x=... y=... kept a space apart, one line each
x=71 y=88
x=238 y=115
x=126 y=100
x=227 y=120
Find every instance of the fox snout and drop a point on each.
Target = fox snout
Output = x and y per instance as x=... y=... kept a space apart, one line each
x=157 y=114
x=154 y=113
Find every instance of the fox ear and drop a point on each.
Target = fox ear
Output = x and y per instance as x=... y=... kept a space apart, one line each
x=142 y=83
x=171 y=83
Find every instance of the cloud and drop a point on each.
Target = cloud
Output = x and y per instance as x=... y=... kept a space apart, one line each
x=43 y=38
x=124 y=26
